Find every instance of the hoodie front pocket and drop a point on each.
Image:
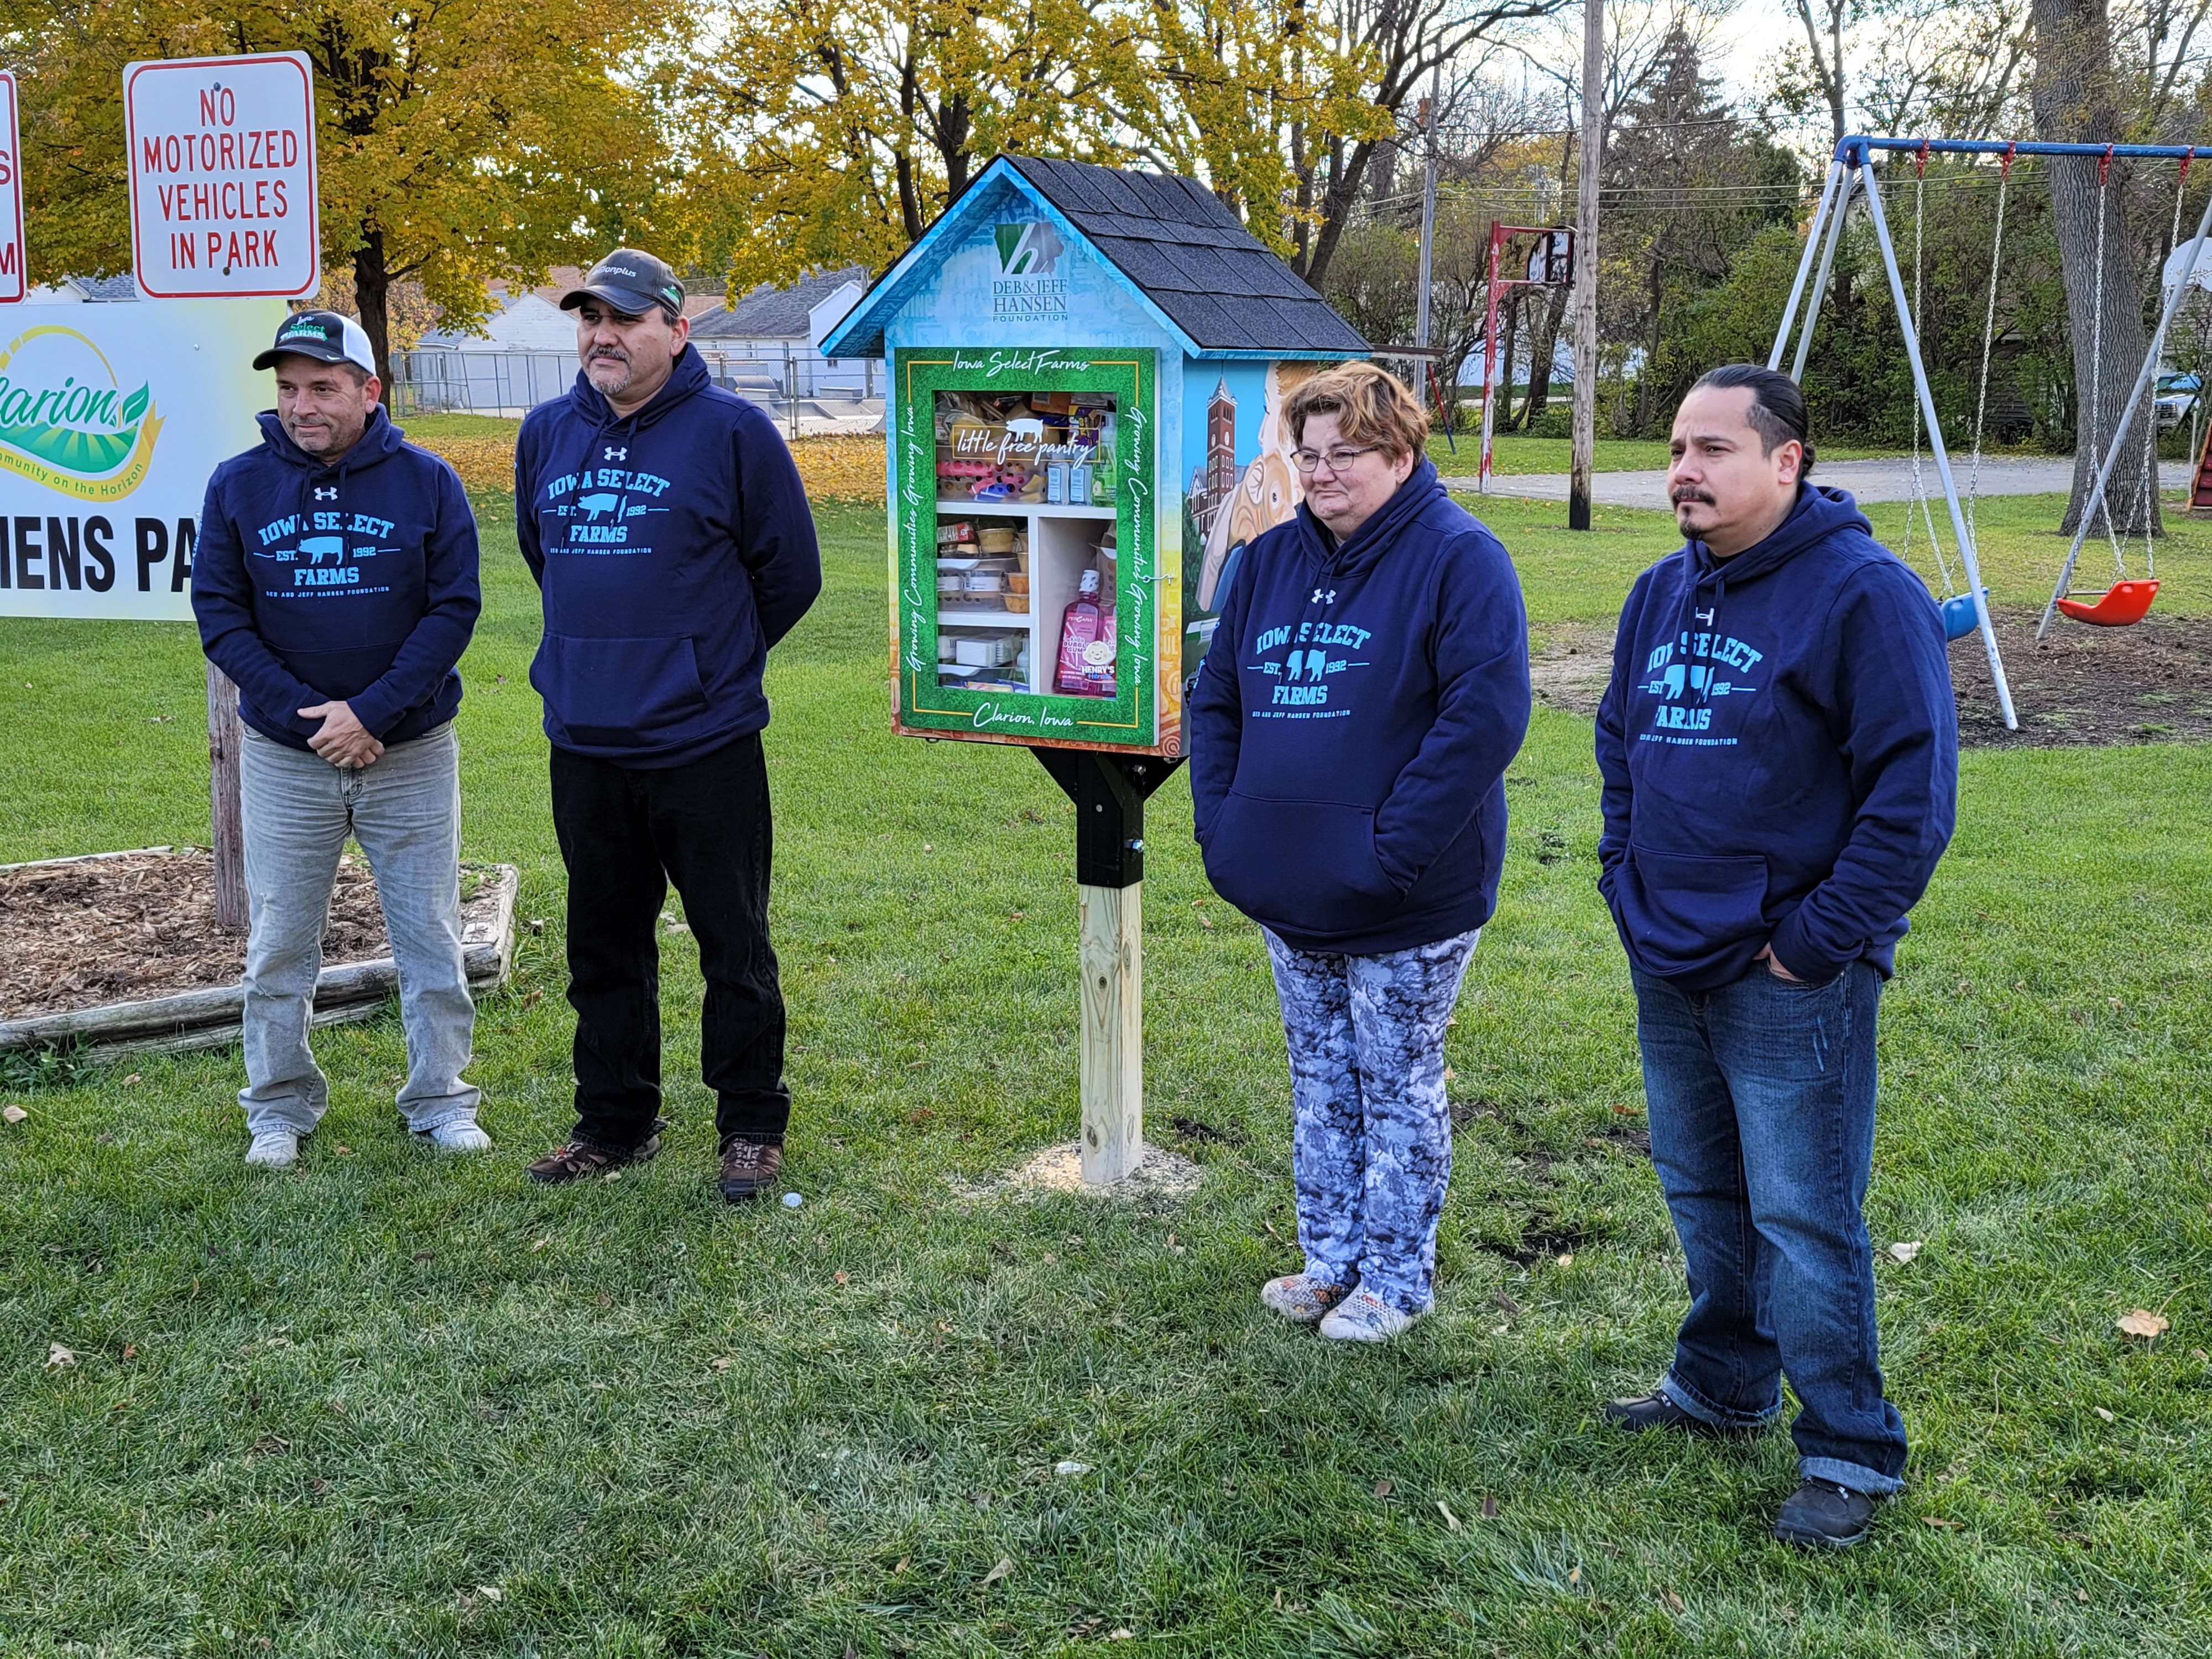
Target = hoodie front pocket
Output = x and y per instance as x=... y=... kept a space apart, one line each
x=1686 y=908
x=616 y=693
x=1306 y=866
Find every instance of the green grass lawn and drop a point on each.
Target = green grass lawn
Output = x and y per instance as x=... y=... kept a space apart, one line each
x=389 y=1405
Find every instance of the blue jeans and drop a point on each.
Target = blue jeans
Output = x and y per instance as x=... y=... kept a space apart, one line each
x=1762 y=1102
x=404 y=809
x=1371 y=1140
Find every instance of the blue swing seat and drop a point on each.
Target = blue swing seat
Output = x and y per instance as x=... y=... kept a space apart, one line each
x=1959 y=617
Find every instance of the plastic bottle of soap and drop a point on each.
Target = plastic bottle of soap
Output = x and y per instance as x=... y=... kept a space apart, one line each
x=1079 y=627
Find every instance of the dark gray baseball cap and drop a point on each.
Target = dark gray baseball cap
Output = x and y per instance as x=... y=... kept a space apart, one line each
x=631 y=280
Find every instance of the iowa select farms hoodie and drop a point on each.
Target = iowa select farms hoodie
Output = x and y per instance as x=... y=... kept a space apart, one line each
x=1780 y=753
x=356 y=582
x=1351 y=726
x=674 y=547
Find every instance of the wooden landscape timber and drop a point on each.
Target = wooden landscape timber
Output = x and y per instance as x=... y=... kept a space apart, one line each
x=213 y=1017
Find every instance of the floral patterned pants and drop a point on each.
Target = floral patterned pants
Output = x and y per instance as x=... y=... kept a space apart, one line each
x=1371 y=1147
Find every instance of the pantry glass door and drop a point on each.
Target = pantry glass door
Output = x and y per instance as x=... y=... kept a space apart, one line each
x=1025 y=544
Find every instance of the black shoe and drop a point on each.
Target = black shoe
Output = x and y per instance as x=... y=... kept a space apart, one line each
x=1655 y=1411
x=579 y=1160
x=1822 y=1515
x=749 y=1168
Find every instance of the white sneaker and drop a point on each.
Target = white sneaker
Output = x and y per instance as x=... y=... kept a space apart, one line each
x=274 y=1149
x=1364 y=1316
x=461 y=1135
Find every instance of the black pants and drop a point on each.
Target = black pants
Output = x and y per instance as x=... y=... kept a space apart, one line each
x=624 y=833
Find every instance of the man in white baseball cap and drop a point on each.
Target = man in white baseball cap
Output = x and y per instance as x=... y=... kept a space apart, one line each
x=336 y=583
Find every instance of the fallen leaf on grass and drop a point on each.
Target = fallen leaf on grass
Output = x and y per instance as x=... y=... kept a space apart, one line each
x=1906 y=1251
x=2102 y=1413
x=1006 y=1565
x=1568 y=1260
x=1506 y=1303
x=2080 y=1595
x=543 y=1243
x=1574 y=1575
x=58 y=1355
x=13 y=1113
x=719 y=1364
x=1383 y=1488
x=131 y=1351
x=133 y=1080
x=1673 y=1601
x=1939 y=1521
x=1121 y=1636
x=1444 y=1510
x=1489 y=1507
x=1069 y=1466
x=2142 y=1323
x=904 y=1562
x=839 y=1276
x=491 y=1592
x=2199 y=1355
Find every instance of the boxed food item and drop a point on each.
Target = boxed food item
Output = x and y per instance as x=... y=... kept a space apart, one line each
x=959 y=530
x=986 y=650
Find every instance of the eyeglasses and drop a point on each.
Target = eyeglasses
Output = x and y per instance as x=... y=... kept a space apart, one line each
x=1306 y=461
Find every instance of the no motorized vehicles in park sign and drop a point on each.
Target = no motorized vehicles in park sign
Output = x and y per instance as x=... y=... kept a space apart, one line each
x=222 y=177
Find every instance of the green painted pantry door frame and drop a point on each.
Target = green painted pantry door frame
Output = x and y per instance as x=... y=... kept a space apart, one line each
x=1130 y=718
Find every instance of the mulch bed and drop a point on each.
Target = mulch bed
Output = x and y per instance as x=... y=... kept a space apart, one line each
x=2148 y=683
x=141 y=925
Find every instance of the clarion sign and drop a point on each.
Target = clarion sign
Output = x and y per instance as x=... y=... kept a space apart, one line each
x=101 y=482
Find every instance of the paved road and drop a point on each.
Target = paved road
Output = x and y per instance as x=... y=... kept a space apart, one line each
x=1869 y=481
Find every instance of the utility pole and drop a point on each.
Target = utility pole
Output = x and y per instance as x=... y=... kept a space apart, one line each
x=1428 y=203
x=1593 y=156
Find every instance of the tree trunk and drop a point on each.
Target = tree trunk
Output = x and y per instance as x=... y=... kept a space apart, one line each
x=372 y=290
x=1546 y=346
x=2074 y=102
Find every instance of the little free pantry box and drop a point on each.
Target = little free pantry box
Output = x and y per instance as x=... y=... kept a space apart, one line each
x=1087 y=370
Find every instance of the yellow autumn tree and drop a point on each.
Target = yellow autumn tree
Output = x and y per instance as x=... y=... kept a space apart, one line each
x=831 y=132
x=464 y=140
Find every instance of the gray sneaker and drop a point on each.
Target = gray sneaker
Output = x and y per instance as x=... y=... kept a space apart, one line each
x=1301 y=1298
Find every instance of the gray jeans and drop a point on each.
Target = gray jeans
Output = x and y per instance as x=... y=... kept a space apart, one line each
x=405 y=811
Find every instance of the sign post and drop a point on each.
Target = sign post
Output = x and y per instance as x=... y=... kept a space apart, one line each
x=222 y=153
x=12 y=278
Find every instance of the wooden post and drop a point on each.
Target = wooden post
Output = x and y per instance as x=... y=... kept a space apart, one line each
x=1112 y=1067
x=226 y=739
x=1109 y=791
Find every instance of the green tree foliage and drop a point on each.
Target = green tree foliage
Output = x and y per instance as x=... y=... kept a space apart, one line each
x=1688 y=188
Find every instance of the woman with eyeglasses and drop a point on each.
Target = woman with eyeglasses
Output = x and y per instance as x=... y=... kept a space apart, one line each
x=1367 y=686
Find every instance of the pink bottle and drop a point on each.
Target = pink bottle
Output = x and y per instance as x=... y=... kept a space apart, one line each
x=1078 y=629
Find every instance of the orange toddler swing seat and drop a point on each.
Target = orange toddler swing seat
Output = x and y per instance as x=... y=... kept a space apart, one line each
x=2122 y=605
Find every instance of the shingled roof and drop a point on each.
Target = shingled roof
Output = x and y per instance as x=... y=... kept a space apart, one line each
x=1168 y=237
x=1175 y=240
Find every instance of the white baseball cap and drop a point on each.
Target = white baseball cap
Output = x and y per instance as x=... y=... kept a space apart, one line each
x=328 y=336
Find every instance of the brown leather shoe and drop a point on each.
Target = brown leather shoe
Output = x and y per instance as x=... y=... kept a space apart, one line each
x=749 y=1168
x=578 y=1160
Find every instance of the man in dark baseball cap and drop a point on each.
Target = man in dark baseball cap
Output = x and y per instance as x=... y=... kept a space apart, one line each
x=630 y=280
x=324 y=336
x=666 y=522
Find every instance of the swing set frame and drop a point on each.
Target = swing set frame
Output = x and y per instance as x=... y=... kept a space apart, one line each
x=1852 y=168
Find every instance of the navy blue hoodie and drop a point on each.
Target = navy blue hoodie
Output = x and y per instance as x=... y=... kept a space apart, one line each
x=355 y=582
x=674 y=546
x=1780 y=753
x=1352 y=722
